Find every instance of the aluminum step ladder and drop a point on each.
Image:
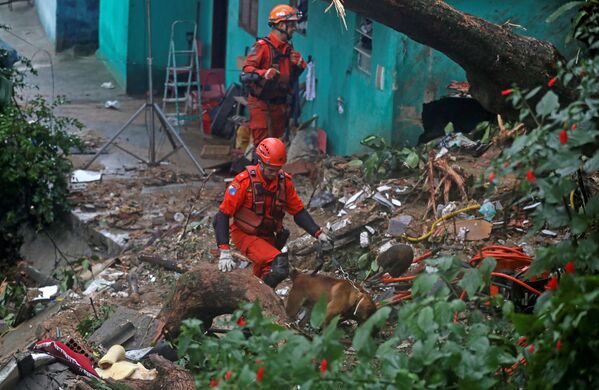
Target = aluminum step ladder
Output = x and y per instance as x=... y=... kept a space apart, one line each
x=182 y=78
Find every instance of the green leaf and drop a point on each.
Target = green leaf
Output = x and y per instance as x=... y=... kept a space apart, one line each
x=319 y=312
x=424 y=284
x=592 y=164
x=563 y=9
x=471 y=281
x=412 y=160
x=449 y=128
x=425 y=319
x=548 y=104
x=362 y=341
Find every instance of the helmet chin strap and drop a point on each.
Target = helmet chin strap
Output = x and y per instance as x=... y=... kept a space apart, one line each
x=276 y=27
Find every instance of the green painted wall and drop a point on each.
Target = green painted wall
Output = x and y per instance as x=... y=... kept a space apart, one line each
x=113 y=33
x=204 y=20
x=123 y=38
x=414 y=74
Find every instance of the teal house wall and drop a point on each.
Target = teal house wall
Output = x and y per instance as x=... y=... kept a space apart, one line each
x=69 y=22
x=123 y=38
x=413 y=73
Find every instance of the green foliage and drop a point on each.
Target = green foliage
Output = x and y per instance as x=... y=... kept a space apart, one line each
x=34 y=169
x=385 y=159
x=90 y=324
x=11 y=299
x=551 y=162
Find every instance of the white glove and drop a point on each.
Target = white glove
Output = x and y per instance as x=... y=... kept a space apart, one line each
x=270 y=73
x=325 y=239
x=225 y=262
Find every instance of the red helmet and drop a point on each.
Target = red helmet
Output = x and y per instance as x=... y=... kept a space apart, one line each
x=271 y=151
x=282 y=13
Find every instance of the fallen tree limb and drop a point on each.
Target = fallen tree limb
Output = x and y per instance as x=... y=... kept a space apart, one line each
x=170 y=265
x=205 y=293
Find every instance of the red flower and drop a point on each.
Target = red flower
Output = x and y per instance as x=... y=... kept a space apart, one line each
x=260 y=374
x=241 y=321
x=530 y=176
x=531 y=349
x=573 y=126
x=552 y=284
x=213 y=383
x=569 y=267
x=228 y=375
x=558 y=345
x=492 y=176
x=506 y=92
x=324 y=365
x=551 y=82
x=522 y=341
x=506 y=164
x=563 y=137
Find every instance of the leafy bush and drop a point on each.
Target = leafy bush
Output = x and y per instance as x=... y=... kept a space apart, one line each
x=34 y=169
x=384 y=159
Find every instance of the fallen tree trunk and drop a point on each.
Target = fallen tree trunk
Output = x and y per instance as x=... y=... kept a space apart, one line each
x=170 y=376
x=205 y=293
x=493 y=56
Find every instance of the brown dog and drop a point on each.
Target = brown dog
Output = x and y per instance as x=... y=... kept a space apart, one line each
x=343 y=297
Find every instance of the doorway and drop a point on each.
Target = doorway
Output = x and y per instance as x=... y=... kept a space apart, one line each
x=219 y=33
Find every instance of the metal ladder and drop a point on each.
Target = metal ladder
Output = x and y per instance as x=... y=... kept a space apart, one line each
x=182 y=77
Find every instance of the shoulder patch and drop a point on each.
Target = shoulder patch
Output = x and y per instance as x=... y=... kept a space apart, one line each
x=232 y=190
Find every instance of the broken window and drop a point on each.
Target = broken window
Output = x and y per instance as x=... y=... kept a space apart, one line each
x=363 y=45
x=248 y=16
x=302 y=6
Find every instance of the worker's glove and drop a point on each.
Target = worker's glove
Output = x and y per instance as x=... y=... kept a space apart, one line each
x=296 y=59
x=225 y=262
x=271 y=74
x=323 y=238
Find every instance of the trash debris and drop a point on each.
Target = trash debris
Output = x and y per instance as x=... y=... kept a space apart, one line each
x=364 y=239
x=114 y=366
x=282 y=292
x=474 y=229
x=399 y=225
x=487 y=210
x=548 y=233
x=321 y=199
x=107 y=85
x=179 y=217
x=43 y=294
x=112 y=104
x=83 y=176
x=531 y=206
x=75 y=361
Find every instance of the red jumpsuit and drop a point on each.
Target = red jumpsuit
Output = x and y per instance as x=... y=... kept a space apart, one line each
x=270 y=52
x=259 y=249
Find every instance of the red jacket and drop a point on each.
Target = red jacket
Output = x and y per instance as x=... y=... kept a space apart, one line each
x=270 y=52
x=239 y=195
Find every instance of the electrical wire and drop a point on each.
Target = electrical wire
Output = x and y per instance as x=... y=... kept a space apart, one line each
x=438 y=221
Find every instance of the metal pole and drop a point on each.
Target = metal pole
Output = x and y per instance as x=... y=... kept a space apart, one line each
x=151 y=86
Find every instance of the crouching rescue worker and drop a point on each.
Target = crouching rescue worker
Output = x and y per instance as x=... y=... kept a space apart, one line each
x=257 y=200
x=269 y=71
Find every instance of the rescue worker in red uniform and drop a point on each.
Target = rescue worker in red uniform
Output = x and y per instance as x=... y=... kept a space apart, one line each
x=257 y=200
x=269 y=70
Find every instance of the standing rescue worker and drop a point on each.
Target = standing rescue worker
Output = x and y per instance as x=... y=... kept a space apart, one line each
x=257 y=200
x=269 y=71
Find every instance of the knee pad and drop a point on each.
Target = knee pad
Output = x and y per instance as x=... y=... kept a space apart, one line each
x=279 y=270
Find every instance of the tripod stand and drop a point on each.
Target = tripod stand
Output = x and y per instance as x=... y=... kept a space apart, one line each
x=154 y=111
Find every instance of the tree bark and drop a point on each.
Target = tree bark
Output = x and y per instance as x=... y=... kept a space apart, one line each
x=169 y=376
x=493 y=57
x=205 y=293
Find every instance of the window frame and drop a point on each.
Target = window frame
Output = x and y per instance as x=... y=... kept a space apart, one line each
x=363 y=53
